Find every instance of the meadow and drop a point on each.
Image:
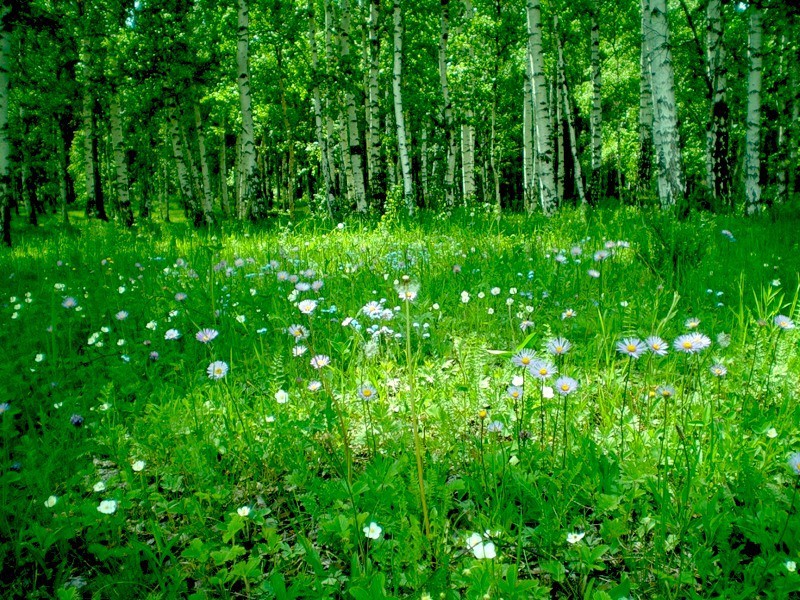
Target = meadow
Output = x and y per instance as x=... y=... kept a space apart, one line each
x=601 y=405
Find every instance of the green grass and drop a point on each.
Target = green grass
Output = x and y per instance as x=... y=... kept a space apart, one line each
x=243 y=495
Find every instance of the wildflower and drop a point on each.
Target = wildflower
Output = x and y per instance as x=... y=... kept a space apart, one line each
x=465 y=297
x=558 y=346
x=39 y=358
x=723 y=339
x=542 y=369
x=568 y=314
x=69 y=302
x=514 y=392
x=480 y=549
x=302 y=286
x=121 y=315
x=574 y=538
x=154 y=356
x=547 y=392
x=307 y=306
x=241 y=318
x=151 y=325
x=172 y=334
x=495 y=291
x=4 y=407
x=100 y=486
x=407 y=291
x=772 y=433
x=206 y=335
x=314 y=385
x=718 y=370
x=593 y=273
x=566 y=385
x=794 y=463
x=525 y=325
x=138 y=466
x=517 y=380
x=299 y=350
x=51 y=501
x=523 y=358
x=692 y=323
x=631 y=347
x=601 y=255
x=320 y=360
x=281 y=397
x=107 y=507
x=180 y=296
x=298 y=332
x=243 y=511
x=691 y=343
x=665 y=391
x=791 y=566
x=657 y=346
x=494 y=427
x=217 y=369
x=783 y=322
x=372 y=531
x=76 y=420
x=367 y=392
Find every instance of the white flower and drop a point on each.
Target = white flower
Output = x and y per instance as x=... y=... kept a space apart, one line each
x=495 y=291
x=241 y=318
x=151 y=325
x=307 y=306
x=372 y=531
x=39 y=357
x=791 y=566
x=547 y=392
x=51 y=501
x=100 y=486
x=464 y=296
x=107 y=507
x=479 y=549
x=138 y=465
x=513 y=460
x=281 y=397
x=772 y=433
x=574 y=538
x=243 y=511
x=172 y=334
x=518 y=380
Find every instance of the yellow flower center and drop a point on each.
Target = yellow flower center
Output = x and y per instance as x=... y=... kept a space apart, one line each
x=631 y=348
x=367 y=393
x=525 y=360
x=565 y=387
x=687 y=344
x=542 y=371
x=559 y=348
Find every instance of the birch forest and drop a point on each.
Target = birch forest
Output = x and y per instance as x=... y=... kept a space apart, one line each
x=121 y=109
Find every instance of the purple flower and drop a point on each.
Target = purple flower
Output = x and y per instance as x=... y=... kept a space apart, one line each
x=206 y=335
x=76 y=420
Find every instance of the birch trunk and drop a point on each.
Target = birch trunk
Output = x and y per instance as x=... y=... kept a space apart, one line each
x=555 y=97
x=527 y=140
x=424 y=160
x=399 y=117
x=645 y=162
x=346 y=159
x=753 y=136
x=123 y=191
x=322 y=138
x=27 y=188
x=5 y=146
x=184 y=182
x=573 y=143
x=449 y=134
x=719 y=169
x=330 y=126
x=208 y=197
x=595 y=186
x=63 y=181
x=544 y=143
x=391 y=163
x=223 y=173
x=668 y=153
x=376 y=180
x=468 y=130
x=95 y=203
x=291 y=176
x=354 y=150
x=250 y=189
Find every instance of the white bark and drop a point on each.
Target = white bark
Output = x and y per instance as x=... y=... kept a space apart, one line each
x=718 y=159
x=753 y=137
x=223 y=173
x=117 y=141
x=424 y=163
x=249 y=183
x=645 y=162
x=354 y=140
x=573 y=142
x=527 y=140
x=373 y=108
x=399 y=118
x=184 y=181
x=555 y=98
x=468 y=130
x=208 y=196
x=597 y=110
x=449 y=133
x=544 y=143
x=668 y=153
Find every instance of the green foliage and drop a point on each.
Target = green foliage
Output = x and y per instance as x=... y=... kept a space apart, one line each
x=174 y=484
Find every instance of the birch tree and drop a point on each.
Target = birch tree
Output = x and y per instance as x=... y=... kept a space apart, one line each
x=120 y=164
x=374 y=171
x=668 y=152
x=717 y=144
x=321 y=134
x=753 y=137
x=250 y=186
x=573 y=142
x=544 y=143
x=449 y=135
x=397 y=88
x=645 y=161
x=595 y=191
